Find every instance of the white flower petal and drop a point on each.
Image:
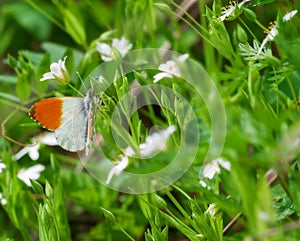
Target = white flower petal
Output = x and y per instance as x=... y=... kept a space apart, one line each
x=156 y=142
x=3 y=201
x=48 y=138
x=129 y=151
x=226 y=13
x=100 y=79
x=170 y=67
x=47 y=76
x=62 y=64
x=121 y=165
x=2 y=167
x=212 y=210
x=203 y=184
x=160 y=76
x=289 y=15
x=231 y=10
x=263 y=216
x=33 y=173
x=210 y=169
x=21 y=153
x=270 y=36
x=122 y=45
x=105 y=51
x=225 y=164
x=116 y=170
x=183 y=58
x=56 y=70
x=34 y=152
x=104 y=48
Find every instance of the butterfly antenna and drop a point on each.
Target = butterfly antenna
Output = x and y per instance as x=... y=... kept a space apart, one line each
x=92 y=87
x=81 y=80
x=73 y=88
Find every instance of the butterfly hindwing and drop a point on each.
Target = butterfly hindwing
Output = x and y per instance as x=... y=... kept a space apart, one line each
x=71 y=135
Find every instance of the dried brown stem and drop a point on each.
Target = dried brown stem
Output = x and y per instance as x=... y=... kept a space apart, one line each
x=9 y=138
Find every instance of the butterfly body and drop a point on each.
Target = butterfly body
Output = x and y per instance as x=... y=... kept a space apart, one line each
x=71 y=118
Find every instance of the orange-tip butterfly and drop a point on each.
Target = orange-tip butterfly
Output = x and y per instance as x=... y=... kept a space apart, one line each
x=71 y=118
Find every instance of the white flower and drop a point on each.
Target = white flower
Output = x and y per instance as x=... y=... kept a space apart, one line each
x=156 y=142
x=2 y=166
x=210 y=169
x=183 y=58
x=129 y=151
x=58 y=72
x=48 y=138
x=116 y=170
x=3 y=200
x=153 y=143
x=100 y=79
x=122 y=45
x=170 y=68
x=107 y=52
x=203 y=184
x=263 y=216
x=213 y=210
x=32 y=173
x=274 y=31
x=32 y=151
x=230 y=10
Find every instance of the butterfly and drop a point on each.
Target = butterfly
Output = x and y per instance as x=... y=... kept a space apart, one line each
x=71 y=118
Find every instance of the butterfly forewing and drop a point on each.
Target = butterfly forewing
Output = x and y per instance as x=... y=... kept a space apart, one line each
x=48 y=112
x=71 y=118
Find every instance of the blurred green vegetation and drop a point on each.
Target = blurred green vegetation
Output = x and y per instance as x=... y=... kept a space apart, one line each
x=260 y=93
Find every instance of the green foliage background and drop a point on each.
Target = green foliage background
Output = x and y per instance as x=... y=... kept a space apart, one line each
x=260 y=95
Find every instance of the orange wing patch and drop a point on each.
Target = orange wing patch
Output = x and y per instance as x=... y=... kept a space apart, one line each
x=47 y=112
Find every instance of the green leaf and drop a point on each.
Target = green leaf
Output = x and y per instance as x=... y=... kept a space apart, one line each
x=163 y=7
x=10 y=79
x=43 y=67
x=23 y=87
x=48 y=190
x=37 y=187
x=260 y=2
x=159 y=201
x=140 y=78
x=250 y=15
x=54 y=164
x=9 y=97
x=30 y=19
x=55 y=49
x=12 y=61
x=74 y=27
x=181 y=226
